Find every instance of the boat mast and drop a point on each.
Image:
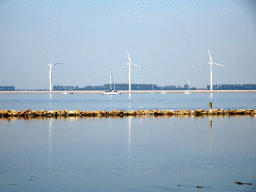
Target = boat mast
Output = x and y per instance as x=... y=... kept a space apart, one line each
x=110 y=84
x=114 y=84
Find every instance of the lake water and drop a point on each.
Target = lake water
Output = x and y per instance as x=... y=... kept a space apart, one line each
x=128 y=154
x=159 y=101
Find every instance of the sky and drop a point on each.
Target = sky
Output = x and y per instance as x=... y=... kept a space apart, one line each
x=168 y=39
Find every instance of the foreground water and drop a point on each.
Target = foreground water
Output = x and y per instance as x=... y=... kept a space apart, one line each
x=128 y=154
x=96 y=101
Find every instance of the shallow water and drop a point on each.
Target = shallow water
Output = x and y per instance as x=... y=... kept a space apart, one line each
x=127 y=101
x=128 y=154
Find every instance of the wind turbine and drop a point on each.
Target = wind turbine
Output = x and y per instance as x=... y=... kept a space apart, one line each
x=211 y=63
x=50 y=72
x=130 y=64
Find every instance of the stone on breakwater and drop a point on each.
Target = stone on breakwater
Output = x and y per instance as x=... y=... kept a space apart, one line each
x=71 y=113
x=114 y=112
x=140 y=112
x=147 y=112
x=132 y=113
x=98 y=113
x=60 y=113
x=157 y=112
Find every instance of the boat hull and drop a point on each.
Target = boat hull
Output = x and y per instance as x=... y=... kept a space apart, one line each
x=111 y=93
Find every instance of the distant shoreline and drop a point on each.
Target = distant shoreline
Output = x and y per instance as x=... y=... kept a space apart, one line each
x=143 y=91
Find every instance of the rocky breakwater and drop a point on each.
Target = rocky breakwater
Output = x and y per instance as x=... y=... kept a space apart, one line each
x=121 y=113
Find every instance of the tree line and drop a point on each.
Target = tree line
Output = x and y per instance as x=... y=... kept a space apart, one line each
x=120 y=87
x=233 y=87
x=139 y=87
x=7 y=88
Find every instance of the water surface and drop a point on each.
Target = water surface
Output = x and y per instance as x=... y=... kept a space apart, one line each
x=128 y=154
x=171 y=101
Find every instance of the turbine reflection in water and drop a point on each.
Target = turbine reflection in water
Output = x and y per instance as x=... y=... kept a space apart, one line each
x=210 y=135
x=129 y=103
x=110 y=135
x=50 y=102
x=129 y=140
x=50 y=140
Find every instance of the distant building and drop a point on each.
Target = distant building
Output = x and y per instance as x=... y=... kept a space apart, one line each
x=7 y=88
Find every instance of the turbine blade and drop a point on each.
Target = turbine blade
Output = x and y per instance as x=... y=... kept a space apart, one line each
x=57 y=63
x=136 y=65
x=218 y=64
x=129 y=57
x=47 y=59
x=210 y=55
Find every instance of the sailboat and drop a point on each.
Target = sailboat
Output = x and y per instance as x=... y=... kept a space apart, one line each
x=111 y=92
x=188 y=91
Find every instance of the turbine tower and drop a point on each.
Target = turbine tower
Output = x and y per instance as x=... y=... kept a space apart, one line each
x=129 y=64
x=50 y=72
x=211 y=63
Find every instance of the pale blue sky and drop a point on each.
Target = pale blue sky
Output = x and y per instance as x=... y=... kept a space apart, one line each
x=169 y=39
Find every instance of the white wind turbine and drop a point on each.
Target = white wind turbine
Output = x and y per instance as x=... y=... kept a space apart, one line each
x=50 y=72
x=129 y=64
x=211 y=63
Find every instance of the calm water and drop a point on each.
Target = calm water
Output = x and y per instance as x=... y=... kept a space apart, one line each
x=172 y=101
x=128 y=154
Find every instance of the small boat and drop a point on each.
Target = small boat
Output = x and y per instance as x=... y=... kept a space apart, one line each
x=153 y=92
x=65 y=92
x=163 y=92
x=111 y=92
x=188 y=91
